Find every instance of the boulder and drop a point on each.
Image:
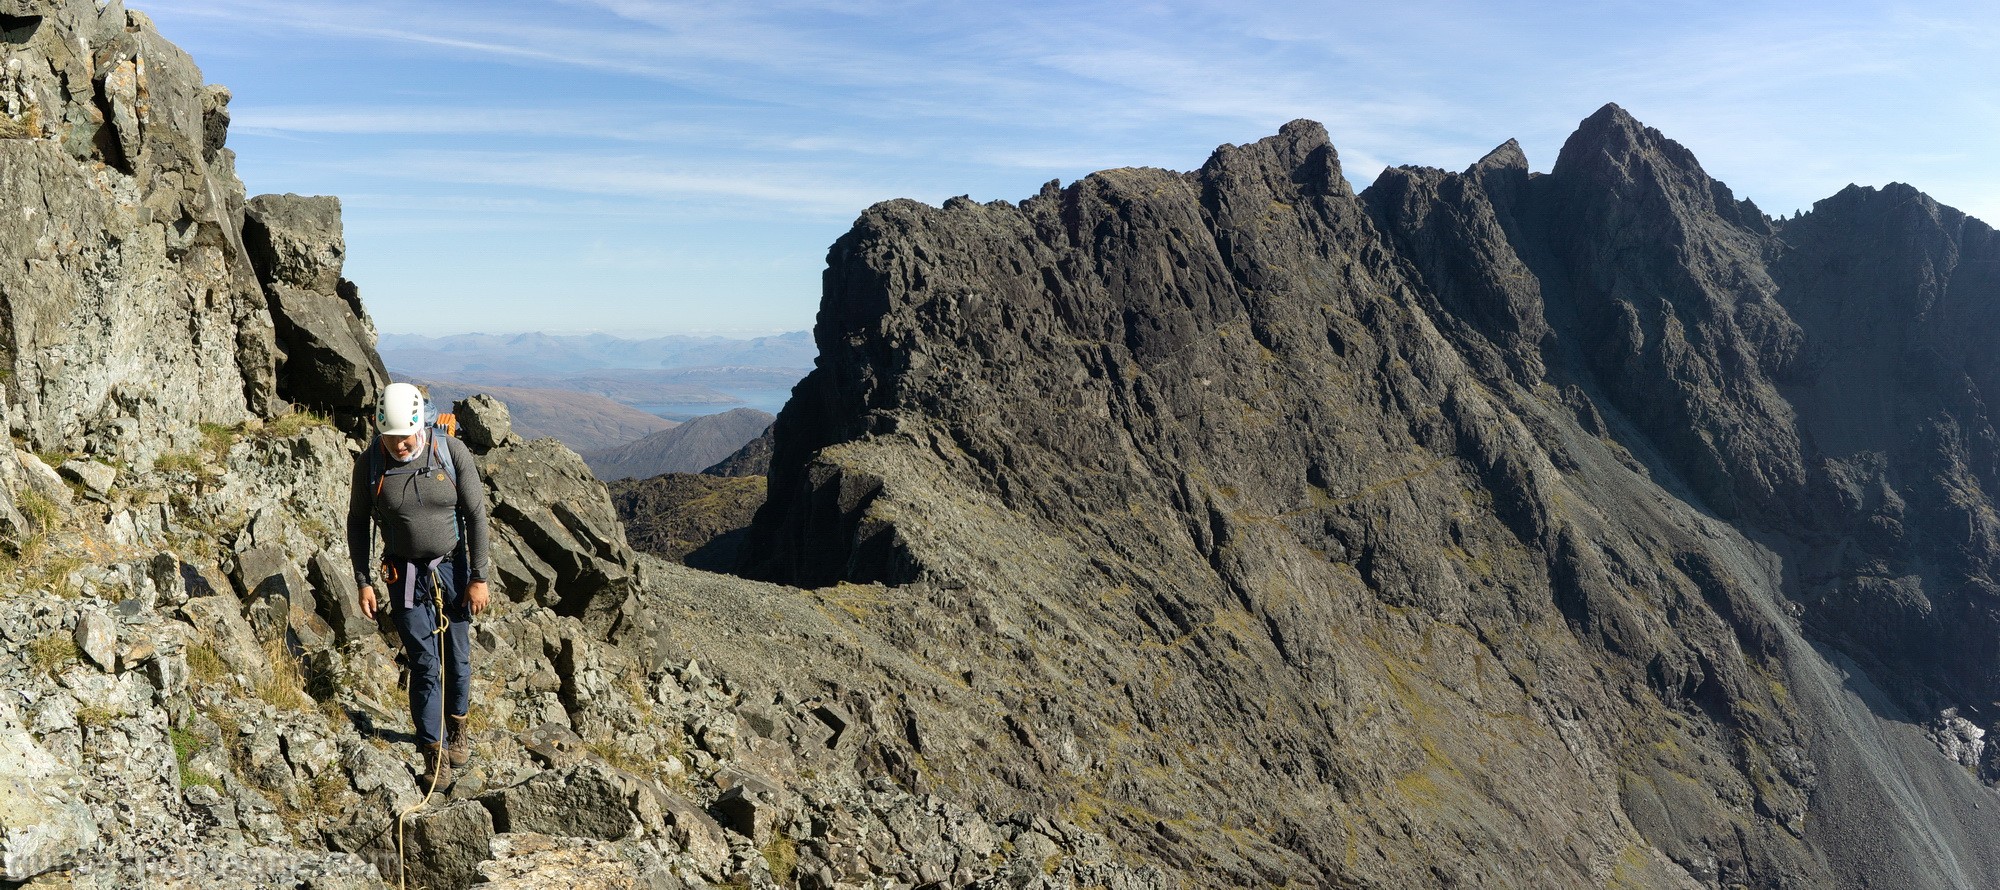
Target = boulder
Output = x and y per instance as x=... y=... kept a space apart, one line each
x=167 y=673
x=484 y=423
x=545 y=502
x=585 y=799
x=295 y=240
x=97 y=638
x=260 y=570
x=444 y=844
x=43 y=824
x=96 y=478
x=43 y=480
x=330 y=364
x=750 y=805
x=519 y=573
x=220 y=621
x=692 y=828
x=337 y=598
x=14 y=525
x=270 y=584
x=169 y=577
x=555 y=745
x=836 y=719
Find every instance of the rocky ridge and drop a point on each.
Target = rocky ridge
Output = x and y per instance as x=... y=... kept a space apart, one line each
x=697 y=519
x=1480 y=529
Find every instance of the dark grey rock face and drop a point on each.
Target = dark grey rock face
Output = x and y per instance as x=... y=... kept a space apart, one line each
x=329 y=364
x=1895 y=294
x=691 y=518
x=1409 y=532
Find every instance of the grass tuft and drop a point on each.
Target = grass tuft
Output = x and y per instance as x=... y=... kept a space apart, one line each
x=781 y=854
x=294 y=423
x=204 y=664
x=52 y=653
x=51 y=575
x=230 y=732
x=186 y=745
x=215 y=440
x=324 y=795
x=27 y=126
x=38 y=509
x=93 y=718
x=178 y=462
x=283 y=686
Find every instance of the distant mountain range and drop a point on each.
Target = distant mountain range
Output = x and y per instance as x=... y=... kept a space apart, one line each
x=687 y=448
x=643 y=388
x=470 y=355
x=628 y=388
x=581 y=420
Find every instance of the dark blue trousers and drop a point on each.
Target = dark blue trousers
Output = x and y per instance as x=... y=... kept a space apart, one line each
x=430 y=654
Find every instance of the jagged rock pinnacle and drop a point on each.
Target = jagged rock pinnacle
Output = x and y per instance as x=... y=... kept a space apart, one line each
x=1506 y=156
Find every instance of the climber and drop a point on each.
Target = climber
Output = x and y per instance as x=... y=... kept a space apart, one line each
x=419 y=486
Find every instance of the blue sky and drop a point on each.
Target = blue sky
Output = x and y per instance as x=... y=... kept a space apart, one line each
x=646 y=167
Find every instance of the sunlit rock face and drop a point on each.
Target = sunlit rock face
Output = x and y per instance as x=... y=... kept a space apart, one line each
x=133 y=309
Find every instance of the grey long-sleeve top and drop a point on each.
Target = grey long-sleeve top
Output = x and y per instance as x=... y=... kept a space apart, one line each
x=416 y=511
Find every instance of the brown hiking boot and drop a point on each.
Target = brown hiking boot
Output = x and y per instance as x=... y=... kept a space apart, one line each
x=437 y=769
x=457 y=741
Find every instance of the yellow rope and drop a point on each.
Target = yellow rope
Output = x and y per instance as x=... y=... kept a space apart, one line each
x=437 y=600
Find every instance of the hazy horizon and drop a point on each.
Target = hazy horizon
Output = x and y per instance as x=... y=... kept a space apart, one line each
x=624 y=334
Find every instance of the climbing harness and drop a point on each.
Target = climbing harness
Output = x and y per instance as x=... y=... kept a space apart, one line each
x=379 y=471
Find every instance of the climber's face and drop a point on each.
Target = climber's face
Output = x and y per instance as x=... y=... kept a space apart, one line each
x=401 y=448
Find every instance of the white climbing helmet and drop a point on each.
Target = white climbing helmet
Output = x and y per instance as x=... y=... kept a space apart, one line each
x=402 y=410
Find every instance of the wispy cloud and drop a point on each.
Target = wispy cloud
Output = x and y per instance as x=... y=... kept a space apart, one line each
x=775 y=122
x=415 y=120
x=629 y=178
